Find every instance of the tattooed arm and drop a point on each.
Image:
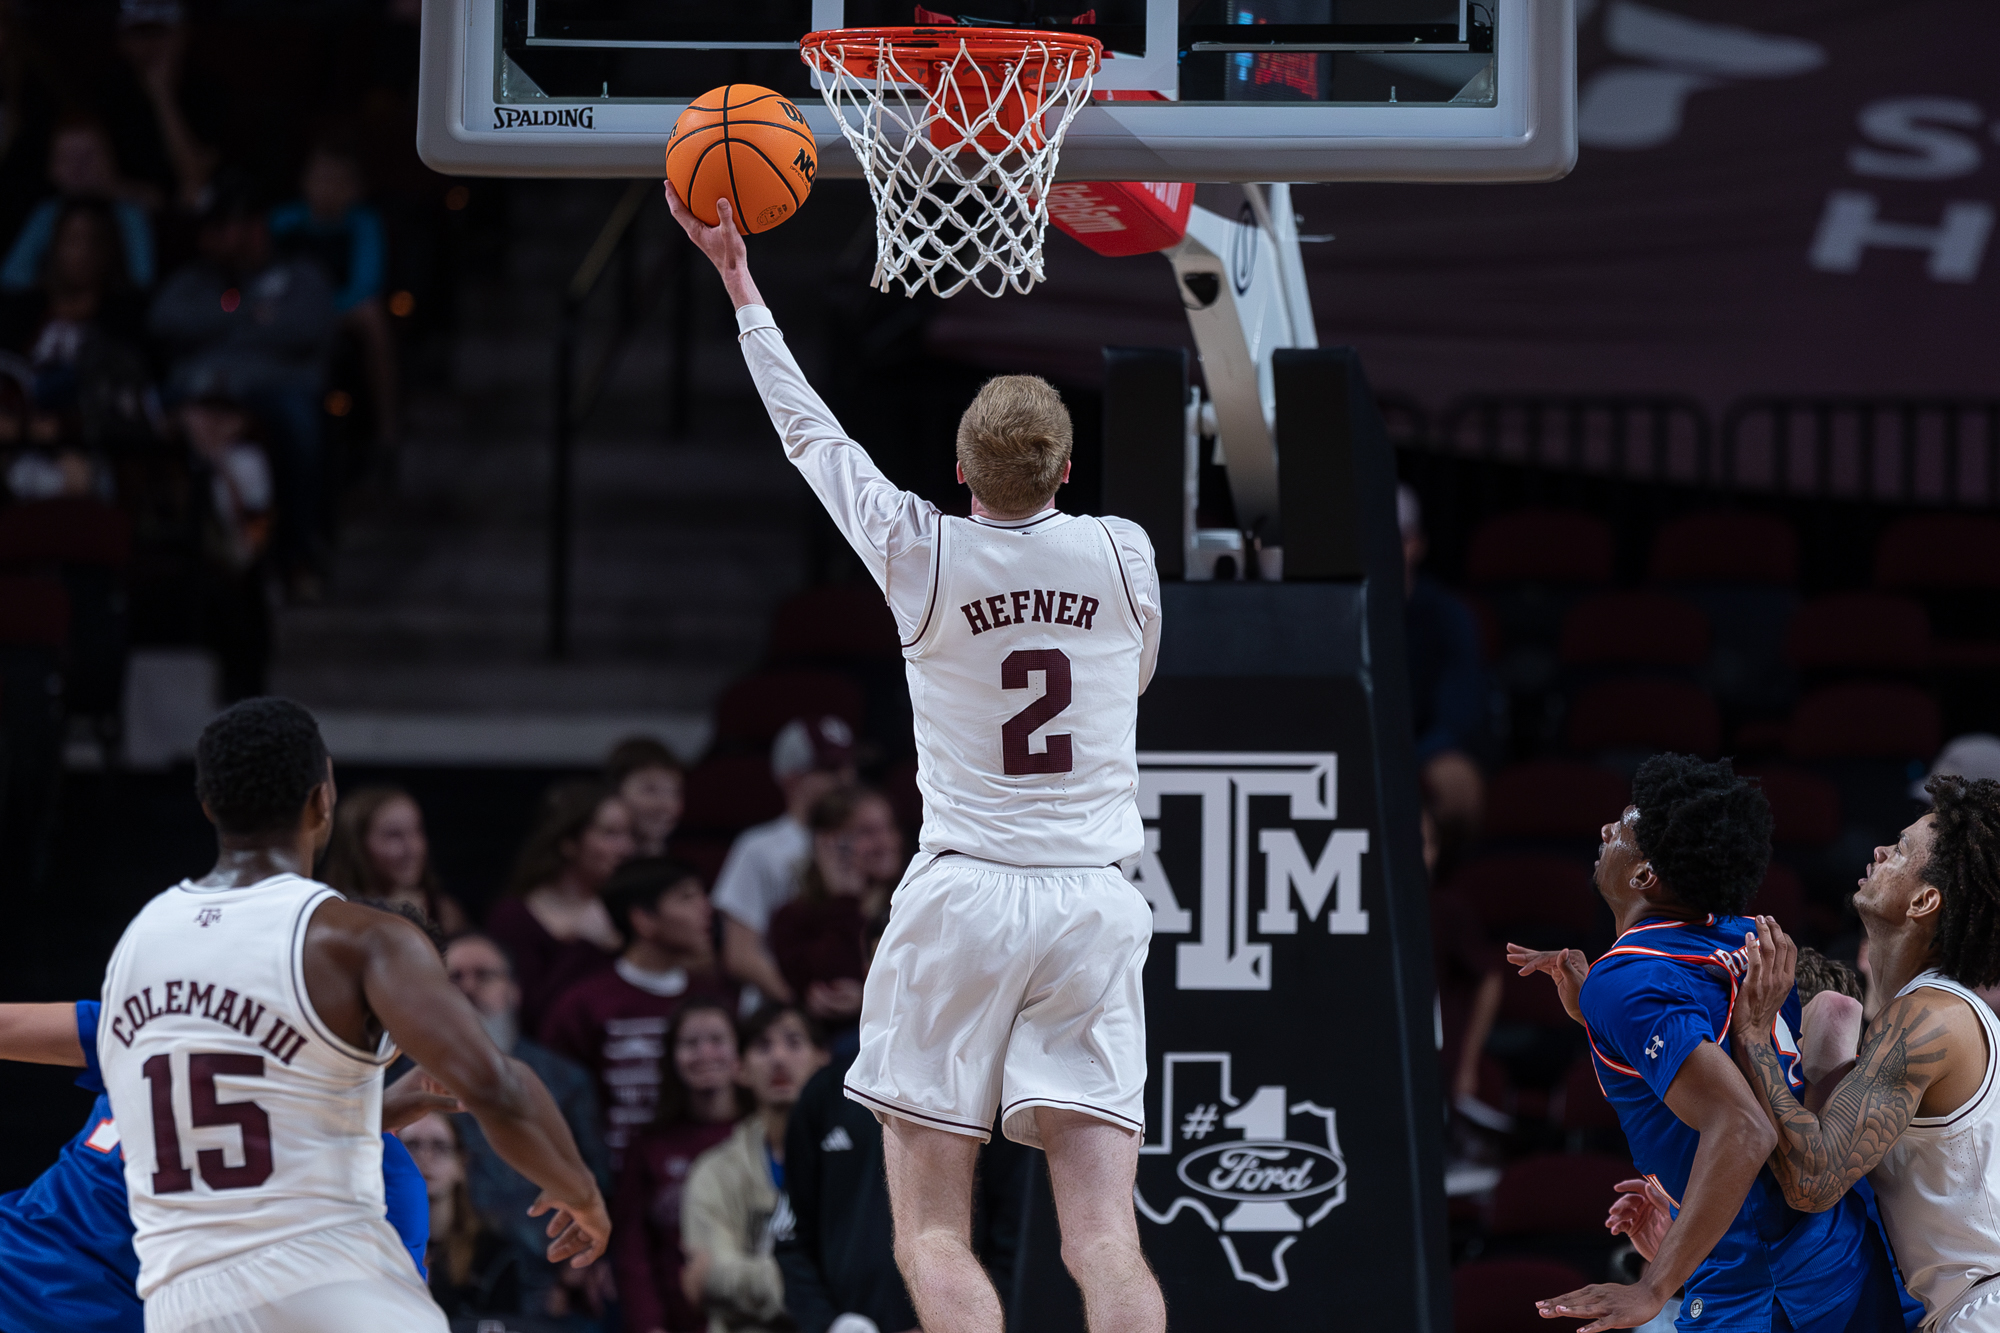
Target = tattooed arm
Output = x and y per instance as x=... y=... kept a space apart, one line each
x=1819 y=1157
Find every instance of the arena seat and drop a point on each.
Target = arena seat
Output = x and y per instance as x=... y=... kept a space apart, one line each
x=1557 y=1192
x=1644 y=715
x=838 y=623
x=1584 y=1109
x=1781 y=895
x=1509 y=889
x=727 y=793
x=1725 y=546
x=77 y=531
x=34 y=611
x=756 y=707
x=1499 y=1295
x=1865 y=721
x=1553 y=798
x=1855 y=632
x=1555 y=546
x=1634 y=629
x=87 y=544
x=1939 y=551
x=1805 y=807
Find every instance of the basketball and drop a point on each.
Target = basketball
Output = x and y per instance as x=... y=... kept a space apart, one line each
x=746 y=143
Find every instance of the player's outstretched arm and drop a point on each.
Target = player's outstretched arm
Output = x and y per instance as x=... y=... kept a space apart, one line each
x=40 y=1034
x=1819 y=1157
x=1710 y=1097
x=403 y=984
x=723 y=245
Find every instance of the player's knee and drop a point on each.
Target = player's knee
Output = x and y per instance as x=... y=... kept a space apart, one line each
x=1099 y=1253
x=917 y=1248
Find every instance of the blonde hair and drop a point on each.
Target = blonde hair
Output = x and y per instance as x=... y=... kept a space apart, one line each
x=1013 y=442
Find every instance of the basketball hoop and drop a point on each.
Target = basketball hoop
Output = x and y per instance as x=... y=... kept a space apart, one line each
x=957 y=131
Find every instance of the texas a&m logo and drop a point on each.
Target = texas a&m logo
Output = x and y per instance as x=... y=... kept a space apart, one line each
x=1232 y=825
x=1258 y=1170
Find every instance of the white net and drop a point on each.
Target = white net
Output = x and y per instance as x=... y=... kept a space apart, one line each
x=958 y=147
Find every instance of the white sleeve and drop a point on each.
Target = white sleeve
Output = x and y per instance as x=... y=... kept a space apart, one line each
x=739 y=888
x=891 y=530
x=1135 y=552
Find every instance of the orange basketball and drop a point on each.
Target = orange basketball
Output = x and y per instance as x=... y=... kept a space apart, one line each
x=749 y=144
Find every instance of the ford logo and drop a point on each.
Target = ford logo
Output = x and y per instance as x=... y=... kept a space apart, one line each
x=1262 y=1171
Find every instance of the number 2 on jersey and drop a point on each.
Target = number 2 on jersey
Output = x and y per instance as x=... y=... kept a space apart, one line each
x=171 y=1175
x=1017 y=759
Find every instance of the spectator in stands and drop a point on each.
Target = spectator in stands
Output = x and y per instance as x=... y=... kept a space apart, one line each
x=1449 y=688
x=1466 y=965
x=816 y=938
x=552 y=923
x=258 y=326
x=83 y=169
x=334 y=226
x=78 y=328
x=734 y=1190
x=700 y=1103
x=840 y=1258
x=27 y=115
x=474 y=1270
x=614 y=1023
x=233 y=496
x=761 y=874
x=479 y=968
x=379 y=851
x=164 y=125
x=651 y=782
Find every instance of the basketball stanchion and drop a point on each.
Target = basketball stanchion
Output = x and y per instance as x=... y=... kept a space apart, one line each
x=957 y=132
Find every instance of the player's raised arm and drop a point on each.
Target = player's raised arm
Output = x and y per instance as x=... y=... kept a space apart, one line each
x=403 y=984
x=878 y=520
x=1819 y=1157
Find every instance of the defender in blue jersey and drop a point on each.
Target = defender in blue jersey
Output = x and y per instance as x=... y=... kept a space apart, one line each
x=66 y=1258
x=1685 y=858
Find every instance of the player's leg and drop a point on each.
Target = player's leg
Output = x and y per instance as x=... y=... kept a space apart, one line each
x=1092 y=1166
x=930 y=1199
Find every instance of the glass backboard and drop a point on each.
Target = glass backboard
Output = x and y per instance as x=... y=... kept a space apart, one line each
x=1204 y=90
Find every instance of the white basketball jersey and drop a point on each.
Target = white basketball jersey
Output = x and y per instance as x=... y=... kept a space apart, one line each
x=244 y=1121
x=1024 y=679
x=1939 y=1183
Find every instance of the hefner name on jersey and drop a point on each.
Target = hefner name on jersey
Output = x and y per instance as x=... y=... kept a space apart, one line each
x=1052 y=607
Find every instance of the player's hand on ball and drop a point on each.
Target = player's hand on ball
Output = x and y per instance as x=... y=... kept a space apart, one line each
x=1607 y=1305
x=578 y=1232
x=1641 y=1213
x=1565 y=967
x=722 y=243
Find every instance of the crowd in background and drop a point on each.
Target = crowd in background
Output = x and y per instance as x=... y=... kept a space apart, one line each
x=197 y=316
x=676 y=1045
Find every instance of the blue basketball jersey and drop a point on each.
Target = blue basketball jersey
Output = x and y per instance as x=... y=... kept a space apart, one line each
x=1661 y=991
x=66 y=1258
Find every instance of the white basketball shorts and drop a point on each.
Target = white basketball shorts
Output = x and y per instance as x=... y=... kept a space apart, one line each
x=1980 y=1314
x=1004 y=988
x=356 y=1278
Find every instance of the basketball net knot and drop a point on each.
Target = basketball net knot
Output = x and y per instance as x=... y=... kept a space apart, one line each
x=957 y=134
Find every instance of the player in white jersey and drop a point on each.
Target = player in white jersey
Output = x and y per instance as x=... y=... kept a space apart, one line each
x=1009 y=979
x=1918 y=1111
x=246 y=1020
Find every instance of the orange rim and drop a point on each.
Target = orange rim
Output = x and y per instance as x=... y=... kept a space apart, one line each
x=991 y=48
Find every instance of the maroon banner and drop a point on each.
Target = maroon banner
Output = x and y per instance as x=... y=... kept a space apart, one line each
x=1772 y=196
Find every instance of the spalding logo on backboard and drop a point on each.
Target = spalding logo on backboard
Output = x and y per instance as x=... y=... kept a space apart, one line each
x=1259 y=1170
